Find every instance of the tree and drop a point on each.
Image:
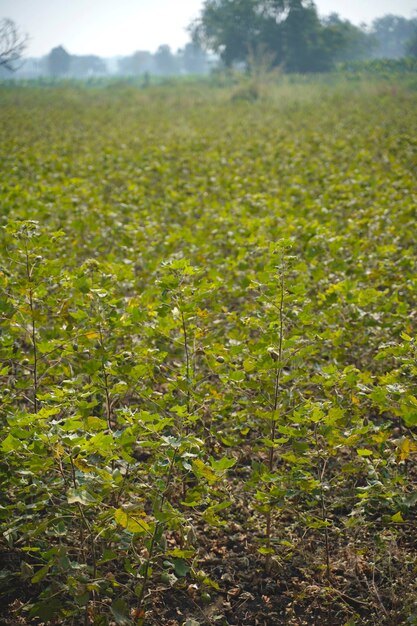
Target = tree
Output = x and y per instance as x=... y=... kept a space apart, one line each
x=229 y=27
x=393 y=32
x=138 y=63
x=165 y=61
x=87 y=65
x=289 y=31
x=349 y=42
x=59 y=61
x=411 y=46
x=194 y=59
x=12 y=45
x=305 y=48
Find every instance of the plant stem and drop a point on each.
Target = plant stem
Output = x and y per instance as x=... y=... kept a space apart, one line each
x=106 y=382
x=278 y=372
x=187 y=360
x=33 y=332
x=324 y=518
x=80 y=511
x=107 y=394
x=156 y=531
x=278 y=375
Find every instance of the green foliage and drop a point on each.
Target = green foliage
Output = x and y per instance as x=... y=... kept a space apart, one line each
x=392 y=34
x=411 y=46
x=182 y=284
x=290 y=31
x=381 y=68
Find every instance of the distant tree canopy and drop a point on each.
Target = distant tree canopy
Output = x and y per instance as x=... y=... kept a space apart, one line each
x=348 y=41
x=138 y=63
x=194 y=59
x=87 y=65
x=393 y=34
x=411 y=46
x=190 y=60
x=292 y=34
x=165 y=61
x=58 y=61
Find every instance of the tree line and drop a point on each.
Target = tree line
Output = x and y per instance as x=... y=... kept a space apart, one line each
x=60 y=63
x=293 y=35
x=287 y=33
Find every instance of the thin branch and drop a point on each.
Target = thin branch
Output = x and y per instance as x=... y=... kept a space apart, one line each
x=12 y=45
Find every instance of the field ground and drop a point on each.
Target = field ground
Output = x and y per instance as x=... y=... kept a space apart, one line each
x=208 y=355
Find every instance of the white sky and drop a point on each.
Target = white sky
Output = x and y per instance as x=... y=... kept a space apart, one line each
x=119 y=27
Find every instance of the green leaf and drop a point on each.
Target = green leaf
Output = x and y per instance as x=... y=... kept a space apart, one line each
x=210 y=583
x=10 y=444
x=108 y=555
x=181 y=568
x=168 y=578
x=248 y=365
x=80 y=496
x=181 y=554
x=364 y=452
x=132 y=521
x=203 y=471
x=237 y=377
x=46 y=610
x=120 y=611
x=46 y=412
x=40 y=574
x=95 y=424
x=222 y=464
x=397 y=518
x=409 y=415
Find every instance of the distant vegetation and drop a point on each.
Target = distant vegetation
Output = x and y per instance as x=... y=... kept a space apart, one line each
x=288 y=34
x=59 y=63
x=294 y=37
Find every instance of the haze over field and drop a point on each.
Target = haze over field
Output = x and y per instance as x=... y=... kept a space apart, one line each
x=108 y=29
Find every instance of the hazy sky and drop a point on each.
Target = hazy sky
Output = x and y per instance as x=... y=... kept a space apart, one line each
x=113 y=27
